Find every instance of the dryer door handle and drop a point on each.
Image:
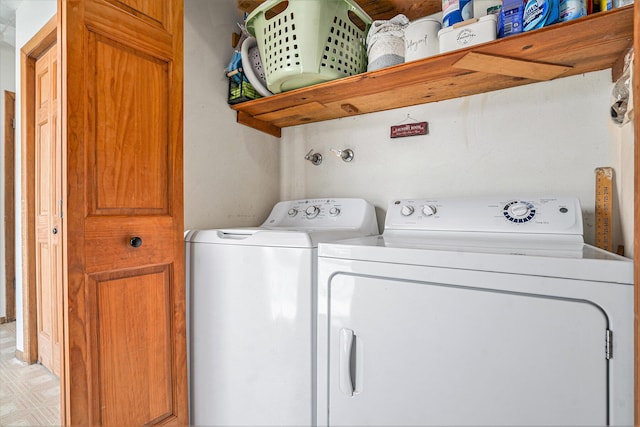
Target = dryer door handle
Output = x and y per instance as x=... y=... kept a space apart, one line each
x=347 y=361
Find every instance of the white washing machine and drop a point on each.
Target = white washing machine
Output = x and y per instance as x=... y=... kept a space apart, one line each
x=475 y=312
x=252 y=312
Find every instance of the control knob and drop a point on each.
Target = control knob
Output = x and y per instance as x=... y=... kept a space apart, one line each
x=293 y=212
x=334 y=211
x=407 y=210
x=429 y=210
x=519 y=211
x=312 y=211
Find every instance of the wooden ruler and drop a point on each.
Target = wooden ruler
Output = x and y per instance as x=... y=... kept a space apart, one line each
x=604 y=208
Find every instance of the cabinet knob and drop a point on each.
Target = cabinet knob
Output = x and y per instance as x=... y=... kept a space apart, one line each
x=135 y=242
x=55 y=230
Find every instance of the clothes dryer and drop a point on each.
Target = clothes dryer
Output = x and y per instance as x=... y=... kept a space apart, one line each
x=252 y=312
x=487 y=311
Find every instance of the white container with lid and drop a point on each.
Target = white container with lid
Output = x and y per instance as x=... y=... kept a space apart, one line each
x=421 y=38
x=468 y=33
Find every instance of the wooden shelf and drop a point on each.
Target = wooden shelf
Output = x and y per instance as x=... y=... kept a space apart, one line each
x=595 y=42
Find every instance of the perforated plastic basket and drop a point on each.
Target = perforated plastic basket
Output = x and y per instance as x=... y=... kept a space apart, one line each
x=305 y=42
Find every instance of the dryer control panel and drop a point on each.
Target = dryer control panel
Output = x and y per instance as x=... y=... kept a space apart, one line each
x=318 y=214
x=532 y=215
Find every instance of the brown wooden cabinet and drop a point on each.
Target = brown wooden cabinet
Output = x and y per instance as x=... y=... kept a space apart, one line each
x=125 y=325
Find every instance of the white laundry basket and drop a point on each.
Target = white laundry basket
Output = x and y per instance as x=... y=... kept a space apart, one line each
x=310 y=41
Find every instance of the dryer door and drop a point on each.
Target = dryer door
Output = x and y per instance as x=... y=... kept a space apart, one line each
x=420 y=353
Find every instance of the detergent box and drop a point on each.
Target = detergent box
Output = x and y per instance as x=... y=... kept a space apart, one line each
x=510 y=17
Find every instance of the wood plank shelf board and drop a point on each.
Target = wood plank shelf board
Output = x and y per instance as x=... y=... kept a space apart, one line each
x=592 y=43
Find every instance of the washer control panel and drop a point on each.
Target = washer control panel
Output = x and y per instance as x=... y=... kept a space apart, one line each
x=538 y=215
x=320 y=213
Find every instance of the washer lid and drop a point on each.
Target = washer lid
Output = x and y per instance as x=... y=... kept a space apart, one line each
x=276 y=237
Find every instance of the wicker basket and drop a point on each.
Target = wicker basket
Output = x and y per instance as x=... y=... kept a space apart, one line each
x=240 y=90
x=309 y=41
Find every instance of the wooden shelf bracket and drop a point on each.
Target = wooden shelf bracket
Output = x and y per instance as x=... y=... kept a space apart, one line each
x=266 y=127
x=513 y=67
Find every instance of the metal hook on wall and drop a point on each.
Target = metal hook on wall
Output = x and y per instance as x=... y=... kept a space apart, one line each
x=408 y=119
x=314 y=158
x=346 y=155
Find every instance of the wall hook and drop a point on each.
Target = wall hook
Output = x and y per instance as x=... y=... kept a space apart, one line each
x=314 y=158
x=346 y=155
x=408 y=119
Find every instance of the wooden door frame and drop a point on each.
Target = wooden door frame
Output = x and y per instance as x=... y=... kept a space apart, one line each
x=9 y=206
x=42 y=41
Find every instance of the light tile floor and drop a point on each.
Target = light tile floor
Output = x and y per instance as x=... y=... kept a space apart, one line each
x=29 y=394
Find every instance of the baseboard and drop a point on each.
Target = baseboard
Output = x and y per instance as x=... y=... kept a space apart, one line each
x=3 y=320
x=20 y=355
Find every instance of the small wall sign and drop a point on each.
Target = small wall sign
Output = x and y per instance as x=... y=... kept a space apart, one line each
x=409 y=129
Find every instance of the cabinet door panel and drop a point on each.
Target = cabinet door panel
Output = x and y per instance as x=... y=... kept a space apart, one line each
x=122 y=113
x=128 y=156
x=153 y=11
x=133 y=331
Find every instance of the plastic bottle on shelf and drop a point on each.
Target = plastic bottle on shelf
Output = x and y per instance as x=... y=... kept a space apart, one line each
x=572 y=9
x=540 y=13
x=601 y=5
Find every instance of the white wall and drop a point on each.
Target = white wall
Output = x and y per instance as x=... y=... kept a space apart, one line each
x=624 y=145
x=231 y=171
x=543 y=138
x=30 y=17
x=7 y=83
